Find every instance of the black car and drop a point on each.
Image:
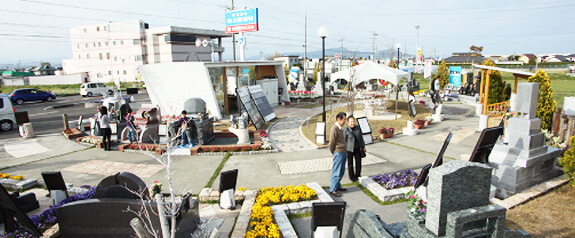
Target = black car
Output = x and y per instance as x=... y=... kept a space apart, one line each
x=19 y=96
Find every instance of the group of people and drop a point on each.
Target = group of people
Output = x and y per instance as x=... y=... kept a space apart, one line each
x=345 y=144
x=103 y=120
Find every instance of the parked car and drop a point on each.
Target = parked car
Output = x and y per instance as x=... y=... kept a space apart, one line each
x=19 y=96
x=90 y=89
x=7 y=113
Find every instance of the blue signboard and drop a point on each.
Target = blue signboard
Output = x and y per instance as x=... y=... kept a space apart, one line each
x=242 y=20
x=455 y=75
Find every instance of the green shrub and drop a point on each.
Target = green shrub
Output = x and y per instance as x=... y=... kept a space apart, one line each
x=443 y=73
x=545 y=104
x=496 y=85
x=568 y=162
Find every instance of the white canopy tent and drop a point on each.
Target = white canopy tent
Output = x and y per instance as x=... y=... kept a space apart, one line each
x=368 y=71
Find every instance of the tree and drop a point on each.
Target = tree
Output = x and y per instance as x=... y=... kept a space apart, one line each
x=568 y=162
x=316 y=70
x=513 y=57
x=273 y=56
x=286 y=71
x=545 y=104
x=533 y=60
x=443 y=73
x=392 y=64
x=496 y=85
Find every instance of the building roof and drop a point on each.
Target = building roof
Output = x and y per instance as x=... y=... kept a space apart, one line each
x=464 y=59
x=529 y=55
x=16 y=73
x=503 y=70
x=188 y=30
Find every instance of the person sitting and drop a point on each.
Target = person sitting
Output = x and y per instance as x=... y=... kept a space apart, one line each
x=185 y=130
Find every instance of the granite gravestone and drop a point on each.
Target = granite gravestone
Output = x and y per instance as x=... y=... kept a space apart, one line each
x=455 y=186
x=525 y=160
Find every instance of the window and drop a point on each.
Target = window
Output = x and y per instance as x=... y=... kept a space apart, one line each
x=101 y=85
x=108 y=55
x=98 y=28
x=105 y=29
x=86 y=45
x=87 y=56
x=109 y=72
x=125 y=72
x=121 y=42
x=137 y=41
x=79 y=56
x=106 y=43
x=92 y=85
x=138 y=58
x=99 y=75
x=94 y=44
x=99 y=44
x=115 y=58
x=101 y=56
x=113 y=42
x=78 y=46
x=85 y=30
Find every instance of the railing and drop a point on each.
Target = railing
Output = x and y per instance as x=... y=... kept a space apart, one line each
x=497 y=109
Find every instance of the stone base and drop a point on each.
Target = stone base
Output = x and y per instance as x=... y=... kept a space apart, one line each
x=514 y=171
x=483 y=122
x=437 y=117
x=409 y=130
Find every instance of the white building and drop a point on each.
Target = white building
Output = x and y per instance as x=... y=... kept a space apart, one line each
x=113 y=51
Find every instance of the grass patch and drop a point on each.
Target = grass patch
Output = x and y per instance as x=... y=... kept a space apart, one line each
x=217 y=171
x=549 y=215
x=308 y=128
x=372 y=196
x=562 y=84
x=298 y=216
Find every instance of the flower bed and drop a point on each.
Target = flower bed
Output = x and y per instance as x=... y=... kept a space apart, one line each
x=48 y=217
x=142 y=147
x=302 y=94
x=14 y=177
x=262 y=217
x=399 y=179
x=90 y=140
x=228 y=148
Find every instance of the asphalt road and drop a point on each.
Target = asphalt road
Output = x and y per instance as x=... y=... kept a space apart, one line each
x=49 y=121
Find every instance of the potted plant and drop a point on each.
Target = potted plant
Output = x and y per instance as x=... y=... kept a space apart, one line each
x=419 y=123
x=422 y=102
x=428 y=120
x=386 y=132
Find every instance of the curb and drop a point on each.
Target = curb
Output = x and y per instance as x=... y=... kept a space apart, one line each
x=63 y=105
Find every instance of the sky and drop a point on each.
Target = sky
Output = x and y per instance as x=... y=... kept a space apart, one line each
x=38 y=30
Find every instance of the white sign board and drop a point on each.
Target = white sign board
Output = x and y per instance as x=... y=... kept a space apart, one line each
x=569 y=106
x=364 y=125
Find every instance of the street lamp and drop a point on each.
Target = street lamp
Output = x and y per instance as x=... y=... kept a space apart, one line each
x=398 y=46
x=323 y=33
x=397 y=86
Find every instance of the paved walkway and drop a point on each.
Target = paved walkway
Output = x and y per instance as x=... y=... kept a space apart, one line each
x=192 y=173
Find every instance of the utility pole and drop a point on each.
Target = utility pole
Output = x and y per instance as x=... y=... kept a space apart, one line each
x=305 y=50
x=341 y=54
x=417 y=56
x=374 y=34
x=234 y=37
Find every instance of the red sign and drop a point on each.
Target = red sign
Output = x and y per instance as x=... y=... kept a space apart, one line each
x=242 y=28
x=381 y=81
x=337 y=56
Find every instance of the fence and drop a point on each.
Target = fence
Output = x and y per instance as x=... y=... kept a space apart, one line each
x=563 y=126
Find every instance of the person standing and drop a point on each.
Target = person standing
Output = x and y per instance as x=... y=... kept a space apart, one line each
x=355 y=148
x=130 y=125
x=186 y=136
x=104 y=121
x=337 y=149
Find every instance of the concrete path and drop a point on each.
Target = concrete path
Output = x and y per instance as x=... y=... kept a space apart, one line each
x=295 y=165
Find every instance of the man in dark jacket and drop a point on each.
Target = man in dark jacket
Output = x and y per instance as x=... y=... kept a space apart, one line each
x=339 y=153
x=355 y=148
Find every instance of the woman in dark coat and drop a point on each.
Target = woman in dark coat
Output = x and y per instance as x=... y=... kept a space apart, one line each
x=355 y=148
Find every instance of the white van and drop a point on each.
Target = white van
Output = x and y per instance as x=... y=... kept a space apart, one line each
x=90 y=89
x=7 y=110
